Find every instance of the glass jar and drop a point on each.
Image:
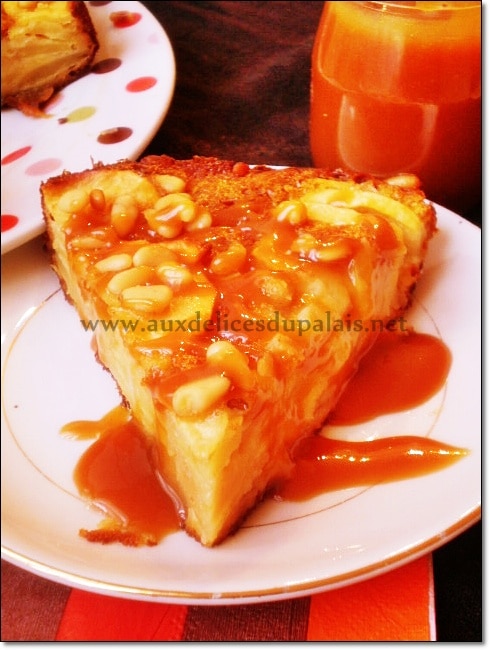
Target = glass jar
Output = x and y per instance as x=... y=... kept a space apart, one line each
x=396 y=88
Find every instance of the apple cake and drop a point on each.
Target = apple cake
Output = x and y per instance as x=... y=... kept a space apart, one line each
x=236 y=303
x=45 y=46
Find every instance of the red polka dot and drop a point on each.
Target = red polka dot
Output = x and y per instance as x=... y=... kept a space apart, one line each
x=123 y=19
x=141 y=84
x=45 y=166
x=9 y=221
x=15 y=155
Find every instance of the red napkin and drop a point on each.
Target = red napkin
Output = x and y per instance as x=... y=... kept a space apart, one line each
x=395 y=606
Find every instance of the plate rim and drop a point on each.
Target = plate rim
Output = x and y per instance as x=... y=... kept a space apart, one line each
x=250 y=596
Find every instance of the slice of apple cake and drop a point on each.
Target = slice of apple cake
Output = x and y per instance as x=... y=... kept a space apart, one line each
x=45 y=46
x=253 y=294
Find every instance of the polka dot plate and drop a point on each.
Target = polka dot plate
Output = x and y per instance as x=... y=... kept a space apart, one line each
x=110 y=114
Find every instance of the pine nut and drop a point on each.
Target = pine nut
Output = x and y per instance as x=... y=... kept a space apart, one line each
x=151 y=298
x=198 y=396
x=129 y=278
x=203 y=220
x=169 y=183
x=409 y=181
x=240 y=169
x=168 y=225
x=86 y=242
x=174 y=274
x=118 y=262
x=153 y=255
x=170 y=231
x=97 y=200
x=225 y=356
x=172 y=205
x=124 y=213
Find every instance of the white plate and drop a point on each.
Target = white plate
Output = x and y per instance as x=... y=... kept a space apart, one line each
x=33 y=149
x=50 y=377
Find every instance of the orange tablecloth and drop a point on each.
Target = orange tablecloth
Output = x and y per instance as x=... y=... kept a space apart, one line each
x=395 y=606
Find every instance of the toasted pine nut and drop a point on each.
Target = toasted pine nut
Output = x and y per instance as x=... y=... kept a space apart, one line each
x=175 y=204
x=174 y=274
x=330 y=207
x=149 y=298
x=97 y=200
x=198 y=396
x=117 y=262
x=225 y=356
x=170 y=231
x=169 y=183
x=203 y=220
x=166 y=225
x=240 y=169
x=86 y=242
x=129 y=278
x=409 y=181
x=153 y=255
x=316 y=288
x=124 y=213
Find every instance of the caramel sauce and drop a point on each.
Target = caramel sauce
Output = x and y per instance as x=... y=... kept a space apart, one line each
x=325 y=464
x=118 y=470
x=90 y=429
x=401 y=371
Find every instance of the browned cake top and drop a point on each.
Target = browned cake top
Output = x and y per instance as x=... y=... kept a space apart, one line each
x=227 y=267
